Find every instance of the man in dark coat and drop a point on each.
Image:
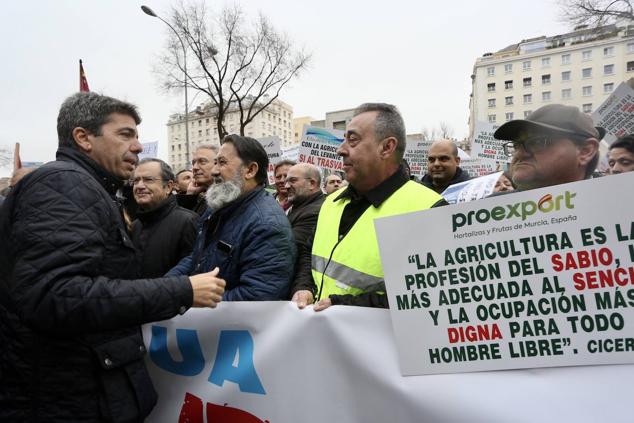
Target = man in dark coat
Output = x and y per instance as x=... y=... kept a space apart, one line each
x=70 y=304
x=443 y=166
x=163 y=232
x=303 y=184
x=244 y=233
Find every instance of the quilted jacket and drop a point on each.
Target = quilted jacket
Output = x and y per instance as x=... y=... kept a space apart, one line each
x=70 y=307
x=251 y=241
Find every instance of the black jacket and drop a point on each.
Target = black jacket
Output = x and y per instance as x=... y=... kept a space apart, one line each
x=163 y=236
x=460 y=176
x=70 y=308
x=303 y=217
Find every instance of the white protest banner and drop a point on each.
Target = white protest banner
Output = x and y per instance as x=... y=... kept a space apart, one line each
x=530 y=279
x=150 y=150
x=484 y=146
x=291 y=153
x=274 y=152
x=6 y=160
x=477 y=167
x=473 y=189
x=319 y=147
x=253 y=362
x=416 y=156
x=616 y=114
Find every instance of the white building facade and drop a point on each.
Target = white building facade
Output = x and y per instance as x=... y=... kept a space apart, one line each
x=276 y=119
x=580 y=68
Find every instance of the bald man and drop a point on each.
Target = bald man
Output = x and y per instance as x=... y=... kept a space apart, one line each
x=303 y=184
x=443 y=166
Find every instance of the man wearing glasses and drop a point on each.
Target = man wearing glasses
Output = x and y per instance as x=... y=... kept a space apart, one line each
x=163 y=232
x=554 y=145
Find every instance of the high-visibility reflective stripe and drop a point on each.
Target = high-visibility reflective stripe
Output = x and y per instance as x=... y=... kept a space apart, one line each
x=347 y=275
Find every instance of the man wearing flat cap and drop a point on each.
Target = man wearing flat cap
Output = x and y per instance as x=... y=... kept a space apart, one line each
x=554 y=145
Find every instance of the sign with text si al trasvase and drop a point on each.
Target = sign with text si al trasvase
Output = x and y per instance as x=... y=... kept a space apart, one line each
x=319 y=147
x=540 y=278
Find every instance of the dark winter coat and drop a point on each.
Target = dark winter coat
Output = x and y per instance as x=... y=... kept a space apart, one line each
x=251 y=241
x=460 y=176
x=303 y=217
x=70 y=310
x=163 y=236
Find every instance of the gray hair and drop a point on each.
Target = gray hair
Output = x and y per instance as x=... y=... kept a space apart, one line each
x=388 y=123
x=211 y=147
x=313 y=172
x=166 y=171
x=89 y=111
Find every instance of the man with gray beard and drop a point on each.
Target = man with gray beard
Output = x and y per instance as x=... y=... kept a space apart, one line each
x=244 y=232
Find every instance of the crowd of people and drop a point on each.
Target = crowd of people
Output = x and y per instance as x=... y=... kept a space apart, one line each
x=97 y=243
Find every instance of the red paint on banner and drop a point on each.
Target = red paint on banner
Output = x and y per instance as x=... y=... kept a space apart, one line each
x=192 y=412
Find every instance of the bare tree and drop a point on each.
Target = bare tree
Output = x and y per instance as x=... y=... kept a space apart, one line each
x=240 y=65
x=446 y=131
x=596 y=13
x=428 y=134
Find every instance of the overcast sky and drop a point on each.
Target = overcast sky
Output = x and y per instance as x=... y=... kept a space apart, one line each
x=416 y=55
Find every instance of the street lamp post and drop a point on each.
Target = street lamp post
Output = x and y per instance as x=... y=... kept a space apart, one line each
x=150 y=12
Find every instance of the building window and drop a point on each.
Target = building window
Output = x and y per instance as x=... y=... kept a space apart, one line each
x=630 y=47
x=491 y=87
x=508 y=100
x=608 y=51
x=526 y=65
x=207 y=131
x=491 y=102
x=508 y=85
x=528 y=98
x=491 y=71
x=608 y=88
x=586 y=73
x=509 y=116
x=587 y=108
x=200 y=132
x=491 y=118
x=587 y=90
x=545 y=62
x=566 y=93
x=546 y=96
x=630 y=66
x=565 y=59
x=527 y=82
x=608 y=69
x=527 y=113
x=546 y=79
x=200 y=123
x=565 y=76
x=508 y=68
x=586 y=55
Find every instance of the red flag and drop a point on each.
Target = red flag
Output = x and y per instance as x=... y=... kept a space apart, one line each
x=83 y=82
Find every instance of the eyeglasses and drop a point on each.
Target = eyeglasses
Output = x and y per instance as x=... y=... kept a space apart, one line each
x=538 y=143
x=147 y=180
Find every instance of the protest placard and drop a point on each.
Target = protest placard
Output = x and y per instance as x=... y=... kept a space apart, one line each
x=150 y=150
x=291 y=153
x=6 y=160
x=241 y=363
x=477 y=167
x=416 y=156
x=319 y=147
x=539 y=278
x=616 y=114
x=473 y=189
x=274 y=152
x=484 y=146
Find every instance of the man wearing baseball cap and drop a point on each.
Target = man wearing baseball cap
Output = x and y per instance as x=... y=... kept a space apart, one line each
x=554 y=145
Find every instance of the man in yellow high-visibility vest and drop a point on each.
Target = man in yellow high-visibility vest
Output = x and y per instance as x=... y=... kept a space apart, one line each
x=343 y=266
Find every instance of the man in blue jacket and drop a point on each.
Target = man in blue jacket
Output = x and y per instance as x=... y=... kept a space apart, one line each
x=244 y=232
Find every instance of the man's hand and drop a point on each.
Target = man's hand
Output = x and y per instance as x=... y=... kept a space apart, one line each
x=208 y=289
x=193 y=188
x=303 y=298
x=322 y=304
